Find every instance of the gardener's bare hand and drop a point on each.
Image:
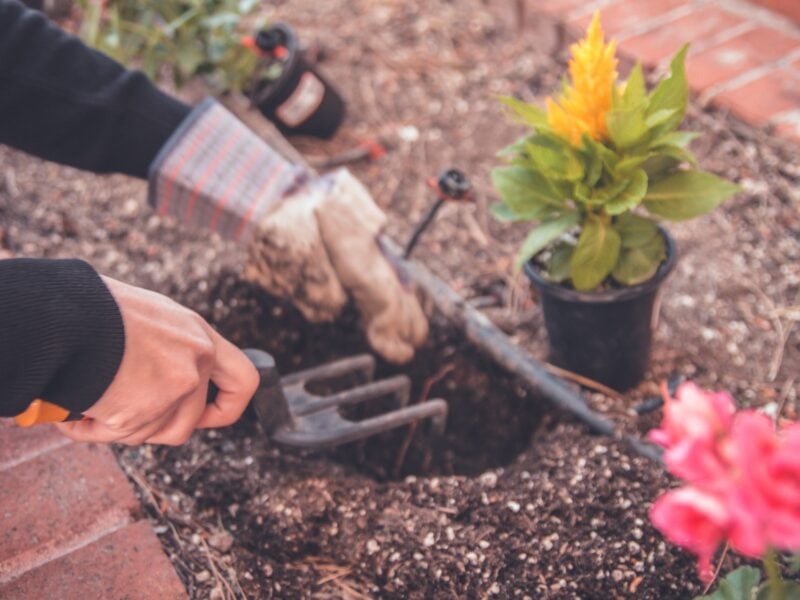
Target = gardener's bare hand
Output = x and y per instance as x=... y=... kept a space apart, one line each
x=159 y=393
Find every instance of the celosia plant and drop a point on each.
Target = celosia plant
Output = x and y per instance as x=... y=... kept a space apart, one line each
x=597 y=153
x=742 y=487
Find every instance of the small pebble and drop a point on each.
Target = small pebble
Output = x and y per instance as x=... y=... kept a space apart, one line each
x=489 y=479
x=221 y=540
x=202 y=576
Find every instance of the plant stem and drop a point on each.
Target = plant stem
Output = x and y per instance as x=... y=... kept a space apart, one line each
x=776 y=589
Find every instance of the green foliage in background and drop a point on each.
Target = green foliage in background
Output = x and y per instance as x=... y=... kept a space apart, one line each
x=189 y=37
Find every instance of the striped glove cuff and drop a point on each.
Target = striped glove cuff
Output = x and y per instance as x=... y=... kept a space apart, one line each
x=216 y=173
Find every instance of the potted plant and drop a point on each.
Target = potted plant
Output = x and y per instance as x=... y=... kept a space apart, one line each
x=602 y=165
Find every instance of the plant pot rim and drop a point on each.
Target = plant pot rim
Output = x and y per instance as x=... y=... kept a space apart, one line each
x=609 y=296
x=273 y=88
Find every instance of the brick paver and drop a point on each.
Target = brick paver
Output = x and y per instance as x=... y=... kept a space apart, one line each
x=69 y=524
x=745 y=52
x=776 y=92
x=626 y=16
x=18 y=445
x=117 y=566
x=790 y=8
x=697 y=28
x=60 y=499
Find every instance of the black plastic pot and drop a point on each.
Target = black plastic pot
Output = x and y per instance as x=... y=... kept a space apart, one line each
x=605 y=336
x=300 y=101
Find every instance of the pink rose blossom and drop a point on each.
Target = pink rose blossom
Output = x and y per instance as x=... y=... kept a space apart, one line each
x=695 y=520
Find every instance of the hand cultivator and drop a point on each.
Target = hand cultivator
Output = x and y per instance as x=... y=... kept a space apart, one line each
x=293 y=415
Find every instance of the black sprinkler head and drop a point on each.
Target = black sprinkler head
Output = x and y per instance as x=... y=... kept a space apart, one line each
x=268 y=40
x=453 y=184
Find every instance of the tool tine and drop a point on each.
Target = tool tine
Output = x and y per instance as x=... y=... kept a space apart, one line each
x=305 y=404
x=331 y=430
x=361 y=364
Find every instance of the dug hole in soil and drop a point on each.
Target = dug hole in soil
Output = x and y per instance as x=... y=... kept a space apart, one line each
x=515 y=500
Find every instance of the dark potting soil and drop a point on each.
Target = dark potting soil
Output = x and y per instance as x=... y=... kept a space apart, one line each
x=512 y=501
x=491 y=417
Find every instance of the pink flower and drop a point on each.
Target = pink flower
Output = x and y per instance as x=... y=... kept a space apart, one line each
x=694 y=519
x=693 y=424
x=744 y=477
x=765 y=501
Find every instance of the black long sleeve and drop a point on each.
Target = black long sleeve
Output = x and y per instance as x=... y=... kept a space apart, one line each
x=65 y=102
x=61 y=332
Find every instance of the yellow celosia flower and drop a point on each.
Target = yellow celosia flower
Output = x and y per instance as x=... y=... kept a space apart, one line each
x=582 y=106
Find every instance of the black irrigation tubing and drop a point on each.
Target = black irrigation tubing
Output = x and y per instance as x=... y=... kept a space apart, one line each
x=491 y=340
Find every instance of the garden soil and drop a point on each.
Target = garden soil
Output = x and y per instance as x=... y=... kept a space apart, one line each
x=515 y=500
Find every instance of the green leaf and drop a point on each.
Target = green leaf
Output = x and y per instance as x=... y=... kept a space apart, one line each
x=544 y=234
x=638 y=264
x=526 y=191
x=594 y=169
x=737 y=585
x=675 y=138
x=659 y=117
x=672 y=93
x=687 y=194
x=635 y=92
x=635 y=231
x=555 y=158
x=528 y=114
x=595 y=255
x=630 y=195
x=503 y=212
x=603 y=194
x=515 y=148
x=629 y=163
x=682 y=155
x=558 y=268
x=627 y=126
x=792 y=590
x=659 y=166
x=189 y=57
x=607 y=156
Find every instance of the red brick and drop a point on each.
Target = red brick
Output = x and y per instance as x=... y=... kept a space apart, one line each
x=18 y=445
x=625 y=15
x=789 y=8
x=59 y=501
x=560 y=8
x=128 y=563
x=742 y=53
x=662 y=43
x=760 y=100
x=789 y=130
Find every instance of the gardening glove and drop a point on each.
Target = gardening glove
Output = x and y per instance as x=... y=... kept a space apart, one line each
x=313 y=240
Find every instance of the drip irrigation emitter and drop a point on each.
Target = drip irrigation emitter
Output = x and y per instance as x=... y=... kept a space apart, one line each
x=451 y=185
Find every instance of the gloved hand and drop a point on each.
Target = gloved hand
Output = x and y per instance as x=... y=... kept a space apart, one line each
x=313 y=240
